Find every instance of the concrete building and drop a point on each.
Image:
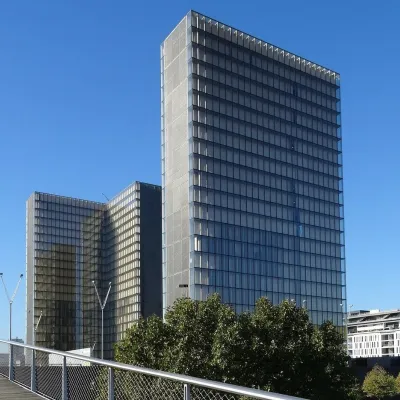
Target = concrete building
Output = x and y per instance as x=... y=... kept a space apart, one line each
x=73 y=242
x=251 y=172
x=373 y=333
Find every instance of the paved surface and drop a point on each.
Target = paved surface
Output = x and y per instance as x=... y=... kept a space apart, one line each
x=11 y=391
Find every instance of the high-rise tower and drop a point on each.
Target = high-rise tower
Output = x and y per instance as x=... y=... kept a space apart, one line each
x=251 y=172
x=73 y=242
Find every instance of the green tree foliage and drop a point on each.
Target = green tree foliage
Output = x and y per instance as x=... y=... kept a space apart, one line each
x=274 y=348
x=398 y=383
x=379 y=384
x=144 y=344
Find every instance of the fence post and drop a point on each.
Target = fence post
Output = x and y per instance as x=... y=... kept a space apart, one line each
x=186 y=392
x=11 y=364
x=110 y=384
x=33 y=372
x=64 y=379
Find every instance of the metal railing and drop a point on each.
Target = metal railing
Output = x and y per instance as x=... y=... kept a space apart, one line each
x=61 y=375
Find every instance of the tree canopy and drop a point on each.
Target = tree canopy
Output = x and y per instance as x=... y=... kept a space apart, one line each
x=398 y=383
x=379 y=384
x=275 y=348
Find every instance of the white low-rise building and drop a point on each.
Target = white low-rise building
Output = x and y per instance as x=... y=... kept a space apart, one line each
x=373 y=333
x=55 y=359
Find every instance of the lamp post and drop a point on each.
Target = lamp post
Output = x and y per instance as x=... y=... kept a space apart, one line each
x=350 y=307
x=346 y=317
x=36 y=328
x=11 y=299
x=102 y=305
x=346 y=324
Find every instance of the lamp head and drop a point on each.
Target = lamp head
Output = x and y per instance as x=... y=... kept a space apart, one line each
x=93 y=282
x=1 y=274
x=109 y=283
x=21 y=275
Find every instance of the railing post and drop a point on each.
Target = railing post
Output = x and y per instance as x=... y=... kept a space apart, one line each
x=110 y=384
x=186 y=392
x=33 y=372
x=64 y=379
x=11 y=364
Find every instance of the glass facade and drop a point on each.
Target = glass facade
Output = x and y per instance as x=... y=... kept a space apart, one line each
x=261 y=135
x=132 y=258
x=64 y=256
x=122 y=252
x=72 y=242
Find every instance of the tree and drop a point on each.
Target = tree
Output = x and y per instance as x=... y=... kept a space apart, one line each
x=331 y=366
x=285 y=353
x=274 y=348
x=378 y=383
x=398 y=383
x=145 y=344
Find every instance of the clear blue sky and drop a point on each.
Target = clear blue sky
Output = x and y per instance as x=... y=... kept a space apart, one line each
x=80 y=114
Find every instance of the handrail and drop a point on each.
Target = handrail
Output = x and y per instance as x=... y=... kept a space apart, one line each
x=213 y=385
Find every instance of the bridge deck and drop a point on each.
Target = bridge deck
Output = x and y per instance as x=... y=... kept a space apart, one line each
x=10 y=390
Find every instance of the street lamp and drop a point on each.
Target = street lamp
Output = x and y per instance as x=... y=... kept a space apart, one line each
x=343 y=317
x=11 y=299
x=304 y=303
x=102 y=305
x=346 y=314
x=36 y=327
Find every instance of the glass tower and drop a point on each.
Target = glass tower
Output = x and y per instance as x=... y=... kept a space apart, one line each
x=63 y=257
x=132 y=257
x=72 y=242
x=251 y=172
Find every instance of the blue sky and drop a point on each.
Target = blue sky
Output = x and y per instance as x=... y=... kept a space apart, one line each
x=79 y=112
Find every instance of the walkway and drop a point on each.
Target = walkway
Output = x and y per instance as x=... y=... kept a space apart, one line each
x=10 y=390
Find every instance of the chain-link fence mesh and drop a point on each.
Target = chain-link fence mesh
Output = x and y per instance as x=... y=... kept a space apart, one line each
x=49 y=375
x=202 y=393
x=22 y=369
x=86 y=381
x=135 y=386
x=5 y=360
